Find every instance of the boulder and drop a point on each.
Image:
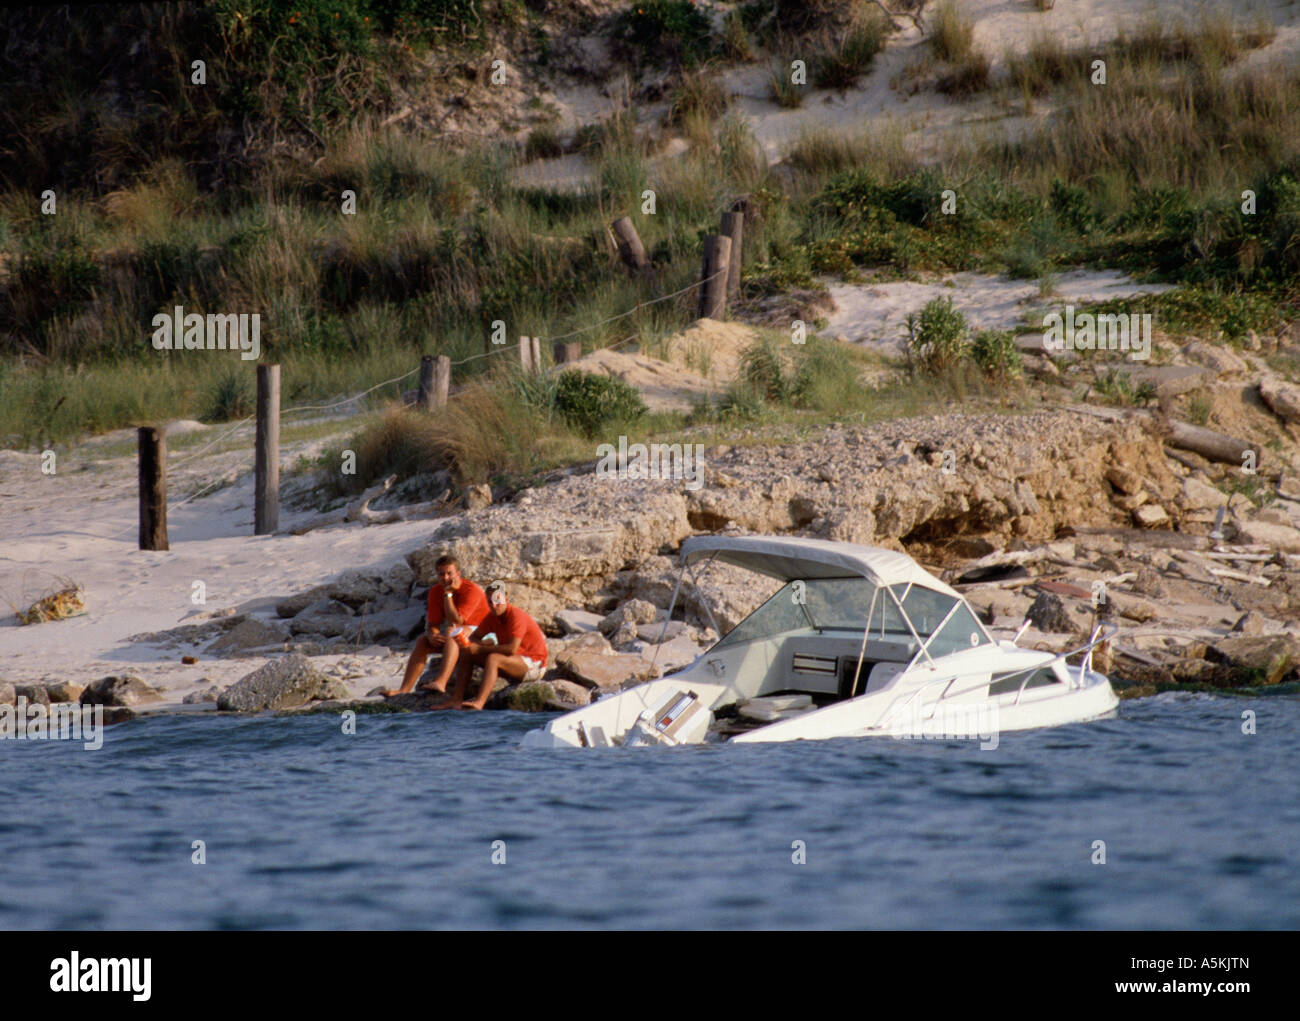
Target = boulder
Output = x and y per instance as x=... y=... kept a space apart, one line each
x=202 y=695
x=34 y=693
x=606 y=672
x=668 y=656
x=294 y=605
x=592 y=641
x=400 y=578
x=478 y=497
x=251 y=634
x=281 y=684
x=1278 y=537
x=126 y=690
x=577 y=621
x=63 y=691
x=633 y=612
x=328 y=617
x=406 y=624
x=1151 y=515
x=1220 y=359
x=1048 y=613
x=1200 y=495
x=8 y=694
x=546 y=696
x=1251 y=660
x=355 y=588
x=1282 y=398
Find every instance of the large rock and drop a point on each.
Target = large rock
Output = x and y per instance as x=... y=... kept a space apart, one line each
x=63 y=691
x=1270 y=659
x=355 y=588
x=546 y=696
x=34 y=693
x=295 y=604
x=8 y=694
x=634 y=611
x=281 y=684
x=1048 y=613
x=1278 y=537
x=1221 y=359
x=577 y=621
x=251 y=634
x=1200 y=495
x=668 y=656
x=328 y=617
x=607 y=672
x=1282 y=398
x=126 y=690
x=406 y=624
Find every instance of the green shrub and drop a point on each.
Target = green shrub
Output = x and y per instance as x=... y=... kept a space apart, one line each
x=781 y=89
x=997 y=355
x=232 y=396
x=588 y=402
x=937 y=338
x=844 y=57
x=658 y=28
x=761 y=368
x=951 y=38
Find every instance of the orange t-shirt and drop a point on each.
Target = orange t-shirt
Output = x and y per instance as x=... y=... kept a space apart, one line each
x=469 y=600
x=514 y=624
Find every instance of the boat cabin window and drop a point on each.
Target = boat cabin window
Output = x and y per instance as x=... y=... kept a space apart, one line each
x=1004 y=684
x=843 y=604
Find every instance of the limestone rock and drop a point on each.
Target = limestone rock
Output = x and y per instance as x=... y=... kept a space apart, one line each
x=8 y=694
x=356 y=589
x=1278 y=537
x=210 y=694
x=1282 y=398
x=328 y=617
x=1200 y=495
x=1151 y=515
x=546 y=696
x=478 y=497
x=281 y=684
x=634 y=611
x=62 y=691
x=1221 y=359
x=34 y=693
x=608 y=673
x=1272 y=659
x=251 y=634
x=577 y=621
x=126 y=690
x=294 y=605
x=1047 y=613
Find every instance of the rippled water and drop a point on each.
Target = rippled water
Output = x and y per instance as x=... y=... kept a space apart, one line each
x=393 y=827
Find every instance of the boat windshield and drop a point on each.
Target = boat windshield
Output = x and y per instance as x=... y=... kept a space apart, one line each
x=843 y=604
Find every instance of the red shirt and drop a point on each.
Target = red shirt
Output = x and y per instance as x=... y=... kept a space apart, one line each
x=469 y=600
x=514 y=624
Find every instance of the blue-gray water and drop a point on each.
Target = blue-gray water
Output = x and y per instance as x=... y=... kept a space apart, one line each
x=393 y=827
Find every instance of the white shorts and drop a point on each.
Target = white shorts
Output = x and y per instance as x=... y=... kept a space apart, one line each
x=535 y=669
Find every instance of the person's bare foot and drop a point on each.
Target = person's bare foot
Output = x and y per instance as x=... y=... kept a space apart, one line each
x=430 y=688
x=470 y=705
x=390 y=692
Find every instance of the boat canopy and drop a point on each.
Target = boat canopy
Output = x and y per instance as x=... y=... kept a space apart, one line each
x=790 y=558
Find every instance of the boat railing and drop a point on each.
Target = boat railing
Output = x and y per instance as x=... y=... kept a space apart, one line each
x=1101 y=633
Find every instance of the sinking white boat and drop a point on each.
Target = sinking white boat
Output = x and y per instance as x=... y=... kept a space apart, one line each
x=858 y=642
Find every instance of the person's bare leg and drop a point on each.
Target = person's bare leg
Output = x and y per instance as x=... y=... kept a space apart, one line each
x=414 y=667
x=512 y=666
x=463 y=671
x=450 y=656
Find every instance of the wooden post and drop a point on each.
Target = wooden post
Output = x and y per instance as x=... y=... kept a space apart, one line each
x=526 y=354
x=266 y=493
x=733 y=226
x=442 y=381
x=152 y=444
x=713 y=277
x=424 y=401
x=535 y=348
x=630 y=248
x=567 y=351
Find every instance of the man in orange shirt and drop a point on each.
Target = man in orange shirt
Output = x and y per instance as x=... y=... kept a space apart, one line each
x=455 y=603
x=519 y=651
